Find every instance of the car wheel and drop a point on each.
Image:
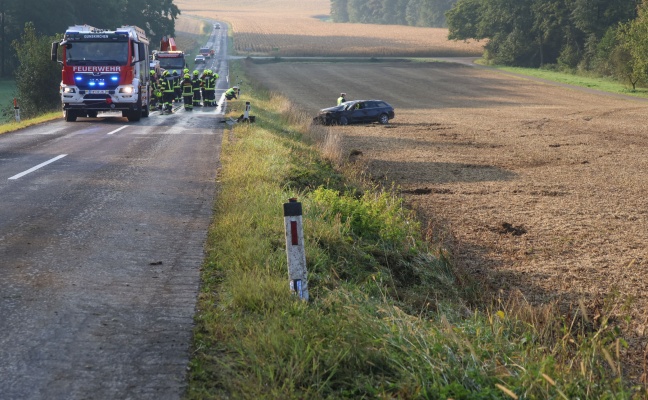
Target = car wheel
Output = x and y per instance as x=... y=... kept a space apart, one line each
x=343 y=120
x=92 y=114
x=383 y=119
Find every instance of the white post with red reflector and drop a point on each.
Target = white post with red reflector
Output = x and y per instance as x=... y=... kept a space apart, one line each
x=16 y=110
x=295 y=251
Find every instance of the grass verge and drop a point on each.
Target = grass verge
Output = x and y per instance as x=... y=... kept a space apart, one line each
x=592 y=82
x=387 y=317
x=24 y=123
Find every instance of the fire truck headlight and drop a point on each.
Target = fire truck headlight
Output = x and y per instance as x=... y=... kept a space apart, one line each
x=126 y=89
x=69 y=90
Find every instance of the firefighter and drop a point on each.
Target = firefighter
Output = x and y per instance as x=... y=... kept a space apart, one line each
x=210 y=89
x=203 y=78
x=231 y=93
x=168 y=92
x=187 y=92
x=196 y=83
x=176 y=87
x=154 y=90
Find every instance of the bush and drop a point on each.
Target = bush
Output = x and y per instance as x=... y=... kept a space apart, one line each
x=37 y=77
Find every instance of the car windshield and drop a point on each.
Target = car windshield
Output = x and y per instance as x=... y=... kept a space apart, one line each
x=96 y=53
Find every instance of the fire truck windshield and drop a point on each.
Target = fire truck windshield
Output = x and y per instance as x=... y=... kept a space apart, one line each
x=172 y=62
x=96 y=53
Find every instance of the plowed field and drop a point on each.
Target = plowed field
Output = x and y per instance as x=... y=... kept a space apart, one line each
x=538 y=188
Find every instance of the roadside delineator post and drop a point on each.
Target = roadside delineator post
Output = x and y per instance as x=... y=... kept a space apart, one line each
x=16 y=110
x=295 y=248
x=246 y=113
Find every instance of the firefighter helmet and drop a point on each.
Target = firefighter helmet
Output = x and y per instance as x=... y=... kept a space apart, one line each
x=186 y=76
x=166 y=73
x=196 y=72
x=175 y=73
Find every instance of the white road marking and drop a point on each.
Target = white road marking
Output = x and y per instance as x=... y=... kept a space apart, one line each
x=20 y=175
x=117 y=130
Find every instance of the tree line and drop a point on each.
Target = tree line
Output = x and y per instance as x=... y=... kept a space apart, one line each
x=429 y=13
x=51 y=17
x=608 y=37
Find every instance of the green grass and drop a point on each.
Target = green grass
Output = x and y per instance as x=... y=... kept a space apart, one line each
x=598 y=83
x=388 y=316
x=24 y=123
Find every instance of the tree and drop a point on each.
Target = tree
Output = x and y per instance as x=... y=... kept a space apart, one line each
x=508 y=24
x=464 y=20
x=633 y=38
x=37 y=77
x=340 y=10
x=157 y=17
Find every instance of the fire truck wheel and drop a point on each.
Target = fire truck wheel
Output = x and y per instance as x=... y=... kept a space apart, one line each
x=92 y=114
x=133 y=116
x=70 y=116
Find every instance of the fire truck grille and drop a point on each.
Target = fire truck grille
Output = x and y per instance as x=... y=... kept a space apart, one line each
x=95 y=97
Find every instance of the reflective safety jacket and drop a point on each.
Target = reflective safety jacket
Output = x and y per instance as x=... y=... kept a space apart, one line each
x=187 y=87
x=196 y=83
x=167 y=85
x=210 y=82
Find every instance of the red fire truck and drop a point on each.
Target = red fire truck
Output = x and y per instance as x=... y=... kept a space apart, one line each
x=169 y=56
x=104 y=70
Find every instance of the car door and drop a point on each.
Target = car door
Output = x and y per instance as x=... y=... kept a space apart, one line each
x=359 y=112
x=372 y=112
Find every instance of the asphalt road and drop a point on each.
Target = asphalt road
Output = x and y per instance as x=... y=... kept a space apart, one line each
x=102 y=228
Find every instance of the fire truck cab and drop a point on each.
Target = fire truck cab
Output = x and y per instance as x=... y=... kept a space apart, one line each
x=104 y=70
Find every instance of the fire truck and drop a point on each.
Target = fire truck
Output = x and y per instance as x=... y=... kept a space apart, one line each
x=104 y=70
x=169 y=56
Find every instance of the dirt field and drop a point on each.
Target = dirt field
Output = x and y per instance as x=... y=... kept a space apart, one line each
x=542 y=189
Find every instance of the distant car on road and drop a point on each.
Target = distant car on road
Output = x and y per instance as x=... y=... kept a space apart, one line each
x=356 y=111
x=200 y=59
x=216 y=26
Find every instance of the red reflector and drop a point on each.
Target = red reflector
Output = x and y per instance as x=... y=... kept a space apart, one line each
x=109 y=100
x=293 y=233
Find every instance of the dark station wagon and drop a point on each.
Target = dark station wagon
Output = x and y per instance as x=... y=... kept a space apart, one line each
x=356 y=111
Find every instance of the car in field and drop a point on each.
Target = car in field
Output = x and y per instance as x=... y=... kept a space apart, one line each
x=356 y=111
x=200 y=59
